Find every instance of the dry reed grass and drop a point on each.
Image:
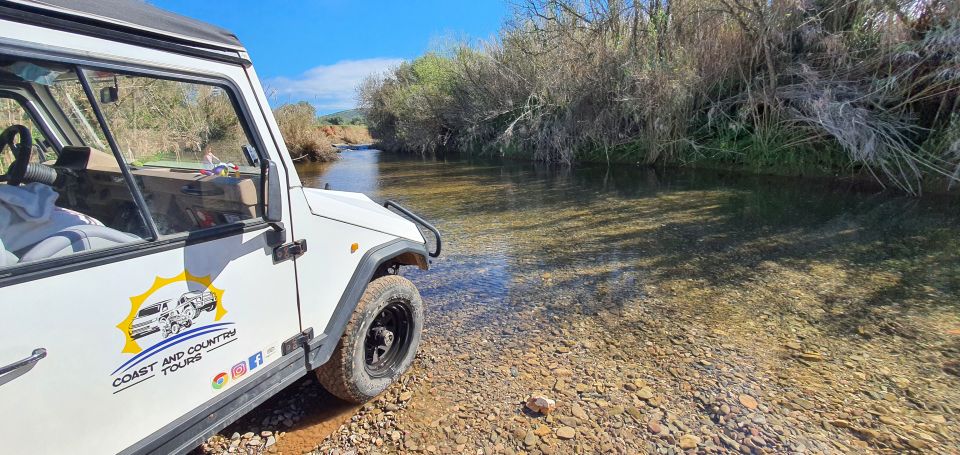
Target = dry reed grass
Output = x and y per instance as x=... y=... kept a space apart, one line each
x=848 y=85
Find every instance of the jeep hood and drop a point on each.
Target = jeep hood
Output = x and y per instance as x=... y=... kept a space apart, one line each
x=359 y=210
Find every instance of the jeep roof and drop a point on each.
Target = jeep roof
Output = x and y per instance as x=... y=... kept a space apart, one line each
x=130 y=21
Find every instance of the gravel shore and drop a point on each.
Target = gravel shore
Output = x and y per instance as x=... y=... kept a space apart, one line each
x=648 y=375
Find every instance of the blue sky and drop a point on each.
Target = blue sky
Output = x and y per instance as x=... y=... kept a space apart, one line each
x=319 y=50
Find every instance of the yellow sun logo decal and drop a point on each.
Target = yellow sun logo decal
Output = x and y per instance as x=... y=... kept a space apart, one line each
x=131 y=346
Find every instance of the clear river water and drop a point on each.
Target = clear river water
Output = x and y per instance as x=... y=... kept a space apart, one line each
x=663 y=310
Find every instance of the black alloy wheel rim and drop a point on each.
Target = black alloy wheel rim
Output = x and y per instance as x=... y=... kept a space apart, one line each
x=388 y=339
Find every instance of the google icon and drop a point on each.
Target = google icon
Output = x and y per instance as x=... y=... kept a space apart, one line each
x=219 y=381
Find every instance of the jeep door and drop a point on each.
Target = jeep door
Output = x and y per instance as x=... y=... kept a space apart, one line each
x=155 y=200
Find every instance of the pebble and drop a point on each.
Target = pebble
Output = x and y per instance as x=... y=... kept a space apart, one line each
x=748 y=401
x=688 y=441
x=645 y=393
x=566 y=433
x=542 y=430
x=578 y=412
x=530 y=439
x=655 y=427
x=811 y=356
x=541 y=404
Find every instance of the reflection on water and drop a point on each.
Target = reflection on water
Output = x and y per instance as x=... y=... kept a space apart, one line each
x=836 y=305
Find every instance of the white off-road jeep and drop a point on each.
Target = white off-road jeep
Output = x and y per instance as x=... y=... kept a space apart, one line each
x=154 y=237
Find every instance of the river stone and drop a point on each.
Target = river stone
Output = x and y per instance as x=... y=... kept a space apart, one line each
x=566 y=433
x=889 y=420
x=748 y=401
x=530 y=440
x=655 y=427
x=811 y=356
x=541 y=404
x=645 y=393
x=569 y=421
x=578 y=412
x=840 y=423
x=688 y=441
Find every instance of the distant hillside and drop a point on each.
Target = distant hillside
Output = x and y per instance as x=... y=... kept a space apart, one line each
x=348 y=117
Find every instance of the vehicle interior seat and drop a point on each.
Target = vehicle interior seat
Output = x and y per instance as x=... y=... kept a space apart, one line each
x=75 y=239
x=33 y=227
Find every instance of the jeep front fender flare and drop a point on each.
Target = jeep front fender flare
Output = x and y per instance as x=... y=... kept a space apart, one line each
x=402 y=251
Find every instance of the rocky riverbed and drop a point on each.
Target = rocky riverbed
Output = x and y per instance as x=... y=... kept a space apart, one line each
x=697 y=320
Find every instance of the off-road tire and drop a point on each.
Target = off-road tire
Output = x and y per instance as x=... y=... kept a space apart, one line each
x=345 y=375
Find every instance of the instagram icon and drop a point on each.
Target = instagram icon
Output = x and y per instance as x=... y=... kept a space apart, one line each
x=238 y=370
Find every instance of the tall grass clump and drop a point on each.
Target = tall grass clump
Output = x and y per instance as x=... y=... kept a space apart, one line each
x=827 y=86
x=302 y=134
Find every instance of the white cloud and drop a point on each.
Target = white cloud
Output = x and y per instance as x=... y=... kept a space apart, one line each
x=328 y=87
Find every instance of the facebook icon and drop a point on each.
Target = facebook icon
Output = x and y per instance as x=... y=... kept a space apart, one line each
x=256 y=360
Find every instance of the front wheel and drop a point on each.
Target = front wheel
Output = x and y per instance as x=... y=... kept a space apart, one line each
x=378 y=344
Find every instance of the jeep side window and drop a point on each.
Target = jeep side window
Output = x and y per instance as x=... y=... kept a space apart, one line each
x=185 y=143
x=75 y=201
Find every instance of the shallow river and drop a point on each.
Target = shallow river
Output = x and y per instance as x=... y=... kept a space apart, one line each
x=664 y=311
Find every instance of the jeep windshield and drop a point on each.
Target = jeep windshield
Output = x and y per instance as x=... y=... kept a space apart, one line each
x=149 y=311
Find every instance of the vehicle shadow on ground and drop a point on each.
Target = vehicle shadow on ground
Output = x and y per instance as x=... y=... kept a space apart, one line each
x=305 y=413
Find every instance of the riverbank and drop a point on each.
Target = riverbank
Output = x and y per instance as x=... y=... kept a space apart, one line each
x=307 y=139
x=782 y=88
x=664 y=312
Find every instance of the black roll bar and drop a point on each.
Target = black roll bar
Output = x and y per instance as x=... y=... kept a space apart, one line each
x=413 y=216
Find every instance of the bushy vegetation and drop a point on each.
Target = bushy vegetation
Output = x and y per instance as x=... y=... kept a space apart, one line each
x=312 y=138
x=302 y=134
x=795 y=86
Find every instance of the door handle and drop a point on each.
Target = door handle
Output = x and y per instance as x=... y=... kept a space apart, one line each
x=35 y=357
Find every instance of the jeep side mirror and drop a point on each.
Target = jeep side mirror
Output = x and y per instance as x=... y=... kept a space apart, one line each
x=109 y=95
x=253 y=159
x=274 y=198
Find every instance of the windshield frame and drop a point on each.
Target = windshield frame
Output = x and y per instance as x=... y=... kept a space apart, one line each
x=33 y=110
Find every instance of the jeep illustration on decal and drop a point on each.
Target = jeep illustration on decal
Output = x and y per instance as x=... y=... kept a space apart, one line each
x=169 y=317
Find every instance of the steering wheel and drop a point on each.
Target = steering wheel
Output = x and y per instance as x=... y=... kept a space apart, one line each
x=21 y=152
